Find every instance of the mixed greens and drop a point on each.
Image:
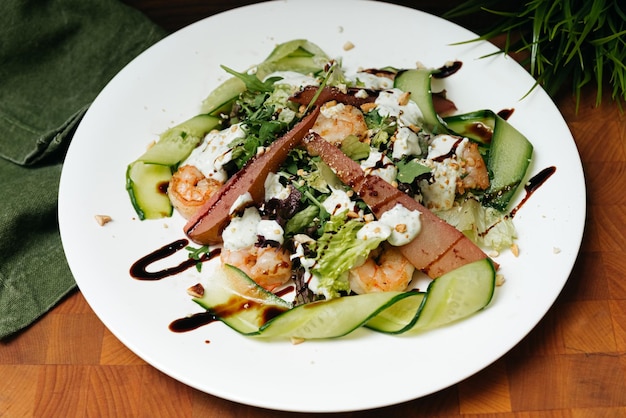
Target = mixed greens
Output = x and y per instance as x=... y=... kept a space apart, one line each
x=388 y=122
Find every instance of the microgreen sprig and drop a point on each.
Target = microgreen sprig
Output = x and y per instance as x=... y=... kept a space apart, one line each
x=197 y=254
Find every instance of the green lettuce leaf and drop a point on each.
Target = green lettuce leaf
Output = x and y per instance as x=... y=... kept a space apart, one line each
x=339 y=250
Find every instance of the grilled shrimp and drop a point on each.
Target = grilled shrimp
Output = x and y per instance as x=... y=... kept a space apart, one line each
x=337 y=120
x=189 y=189
x=269 y=267
x=385 y=271
x=475 y=175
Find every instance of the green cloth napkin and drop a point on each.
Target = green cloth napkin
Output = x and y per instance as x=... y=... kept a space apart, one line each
x=55 y=57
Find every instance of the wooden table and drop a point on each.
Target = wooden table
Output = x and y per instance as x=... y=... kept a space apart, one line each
x=573 y=364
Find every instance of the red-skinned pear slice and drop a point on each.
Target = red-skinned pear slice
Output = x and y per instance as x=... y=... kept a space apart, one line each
x=206 y=226
x=437 y=249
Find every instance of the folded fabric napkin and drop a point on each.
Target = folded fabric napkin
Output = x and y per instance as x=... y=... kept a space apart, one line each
x=55 y=57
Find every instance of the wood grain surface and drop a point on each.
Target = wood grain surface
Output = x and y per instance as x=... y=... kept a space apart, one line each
x=572 y=365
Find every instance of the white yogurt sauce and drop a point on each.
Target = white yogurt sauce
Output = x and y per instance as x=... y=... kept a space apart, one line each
x=405 y=224
x=214 y=152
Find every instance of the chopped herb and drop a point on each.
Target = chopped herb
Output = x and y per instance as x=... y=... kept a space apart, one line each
x=197 y=254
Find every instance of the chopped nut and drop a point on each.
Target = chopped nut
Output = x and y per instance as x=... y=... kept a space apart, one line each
x=499 y=280
x=367 y=107
x=352 y=214
x=196 y=291
x=103 y=219
x=401 y=228
x=515 y=250
x=404 y=98
x=297 y=340
x=556 y=250
x=493 y=254
x=348 y=46
x=415 y=128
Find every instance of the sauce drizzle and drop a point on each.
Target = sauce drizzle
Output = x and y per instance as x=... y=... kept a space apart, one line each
x=192 y=322
x=139 y=270
x=532 y=185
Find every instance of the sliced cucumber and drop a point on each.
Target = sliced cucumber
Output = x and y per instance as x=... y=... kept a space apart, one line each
x=176 y=143
x=418 y=83
x=146 y=185
x=298 y=55
x=399 y=317
x=221 y=98
x=249 y=309
x=457 y=294
x=148 y=176
x=477 y=126
x=330 y=318
x=238 y=301
x=509 y=156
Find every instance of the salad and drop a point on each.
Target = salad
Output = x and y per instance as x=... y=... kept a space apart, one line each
x=361 y=195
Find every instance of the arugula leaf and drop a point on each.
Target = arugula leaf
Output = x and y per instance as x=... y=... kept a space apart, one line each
x=197 y=254
x=252 y=82
x=408 y=171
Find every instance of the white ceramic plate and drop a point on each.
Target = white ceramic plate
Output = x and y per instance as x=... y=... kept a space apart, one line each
x=166 y=84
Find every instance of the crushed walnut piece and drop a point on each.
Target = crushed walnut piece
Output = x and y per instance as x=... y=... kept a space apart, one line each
x=404 y=98
x=196 y=291
x=297 y=340
x=103 y=219
x=368 y=107
x=515 y=250
x=401 y=228
x=499 y=280
x=348 y=46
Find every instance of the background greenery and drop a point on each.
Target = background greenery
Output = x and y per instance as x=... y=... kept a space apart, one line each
x=561 y=42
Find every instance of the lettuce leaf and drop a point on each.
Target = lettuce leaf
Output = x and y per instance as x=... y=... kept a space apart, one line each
x=484 y=225
x=338 y=250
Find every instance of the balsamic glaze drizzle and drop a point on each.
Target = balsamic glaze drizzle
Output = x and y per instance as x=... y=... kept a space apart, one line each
x=532 y=185
x=139 y=270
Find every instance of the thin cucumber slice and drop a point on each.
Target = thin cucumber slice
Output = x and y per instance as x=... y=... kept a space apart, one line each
x=176 y=143
x=146 y=185
x=399 y=317
x=239 y=302
x=508 y=157
x=298 y=55
x=330 y=318
x=147 y=177
x=477 y=126
x=418 y=83
x=508 y=160
x=457 y=294
x=221 y=98
x=250 y=310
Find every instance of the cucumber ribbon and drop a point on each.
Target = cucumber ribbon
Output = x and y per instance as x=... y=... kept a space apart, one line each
x=237 y=301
